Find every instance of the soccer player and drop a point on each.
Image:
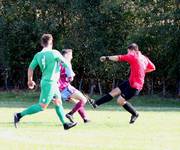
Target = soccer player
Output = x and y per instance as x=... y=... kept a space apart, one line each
x=139 y=66
x=48 y=61
x=70 y=93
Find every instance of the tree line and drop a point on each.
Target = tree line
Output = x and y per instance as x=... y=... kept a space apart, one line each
x=92 y=28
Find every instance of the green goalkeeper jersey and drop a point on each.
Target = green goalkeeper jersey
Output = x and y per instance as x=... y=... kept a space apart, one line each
x=48 y=61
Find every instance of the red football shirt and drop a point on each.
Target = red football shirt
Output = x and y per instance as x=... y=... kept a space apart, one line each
x=139 y=66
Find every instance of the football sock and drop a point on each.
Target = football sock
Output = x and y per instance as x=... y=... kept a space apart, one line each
x=60 y=112
x=77 y=107
x=104 y=99
x=31 y=110
x=19 y=115
x=127 y=106
x=82 y=113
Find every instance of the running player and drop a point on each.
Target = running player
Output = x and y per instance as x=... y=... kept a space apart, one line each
x=139 y=65
x=48 y=61
x=70 y=93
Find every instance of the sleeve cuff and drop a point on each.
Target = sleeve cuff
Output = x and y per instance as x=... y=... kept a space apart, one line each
x=119 y=57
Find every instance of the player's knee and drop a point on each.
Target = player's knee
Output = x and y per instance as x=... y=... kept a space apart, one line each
x=43 y=106
x=84 y=100
x=57 y=102
x=121 y=101
x=115 y=92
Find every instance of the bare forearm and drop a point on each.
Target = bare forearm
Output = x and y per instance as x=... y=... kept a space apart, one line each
x=107 y=58
x=30 y=74
x=113 y=58
x=31 y=84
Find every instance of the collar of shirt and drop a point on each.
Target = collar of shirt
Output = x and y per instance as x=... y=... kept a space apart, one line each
x=46 y=49
x=134 y=52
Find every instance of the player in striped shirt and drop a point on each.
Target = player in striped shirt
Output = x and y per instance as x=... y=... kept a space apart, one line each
x=68 y=92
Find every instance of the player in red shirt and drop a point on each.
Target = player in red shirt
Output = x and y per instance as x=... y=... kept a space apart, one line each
x=139 y=66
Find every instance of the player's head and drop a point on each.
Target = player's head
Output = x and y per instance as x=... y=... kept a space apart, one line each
x=47 y=40
x=67 y=53
x=133 y=47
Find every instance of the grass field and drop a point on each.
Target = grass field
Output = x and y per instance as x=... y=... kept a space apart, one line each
x=157 y=128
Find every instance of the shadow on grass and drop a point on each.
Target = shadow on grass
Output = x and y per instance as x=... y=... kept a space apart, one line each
x=106 y=107
x=31 y=123
x=24 y=99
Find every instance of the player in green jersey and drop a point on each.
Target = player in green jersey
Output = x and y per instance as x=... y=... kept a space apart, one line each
x=48 y=61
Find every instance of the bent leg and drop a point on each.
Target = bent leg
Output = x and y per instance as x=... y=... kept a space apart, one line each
x=127 y=106
x=82 y=113
x=80 y=101
x=44 y=101
x=78 y=96
x=32 y=110
x=108 y=97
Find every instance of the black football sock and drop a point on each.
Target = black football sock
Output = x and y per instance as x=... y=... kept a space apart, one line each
x=19 y=115
x=130 y=108
x=104 y=99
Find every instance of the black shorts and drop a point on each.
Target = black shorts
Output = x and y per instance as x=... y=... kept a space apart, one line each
x=127 y=92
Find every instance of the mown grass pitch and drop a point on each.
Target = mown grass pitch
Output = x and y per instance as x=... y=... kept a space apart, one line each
x=157 y=128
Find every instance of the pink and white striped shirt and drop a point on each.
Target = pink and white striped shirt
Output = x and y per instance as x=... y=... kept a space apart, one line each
x=65 y=77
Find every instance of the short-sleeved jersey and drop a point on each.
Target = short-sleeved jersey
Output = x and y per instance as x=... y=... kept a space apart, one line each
x=139 y=66
x=48 y=61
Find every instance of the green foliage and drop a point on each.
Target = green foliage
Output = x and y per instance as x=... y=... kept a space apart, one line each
x=92 y=28
x=99 y=29
x=158 y=34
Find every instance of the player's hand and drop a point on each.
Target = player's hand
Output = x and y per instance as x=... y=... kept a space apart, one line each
x=31 y=84
x=70 y=79
x=103 y=58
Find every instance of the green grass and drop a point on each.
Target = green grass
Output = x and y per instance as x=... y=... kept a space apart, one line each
x=157 y=128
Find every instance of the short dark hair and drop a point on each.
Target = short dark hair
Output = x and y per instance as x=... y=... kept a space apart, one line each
x=65 y=51
x=45 y=39
x=133 y=46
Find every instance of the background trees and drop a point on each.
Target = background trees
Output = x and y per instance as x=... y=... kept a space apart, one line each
x=92 y=28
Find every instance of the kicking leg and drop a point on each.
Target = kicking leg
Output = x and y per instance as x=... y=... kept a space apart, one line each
x=108 y=97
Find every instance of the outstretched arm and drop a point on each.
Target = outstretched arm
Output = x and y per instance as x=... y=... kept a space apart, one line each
x=111 y=58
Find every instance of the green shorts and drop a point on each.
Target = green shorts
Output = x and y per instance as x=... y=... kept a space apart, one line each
x=49 y=90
